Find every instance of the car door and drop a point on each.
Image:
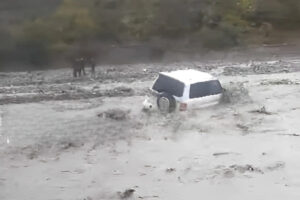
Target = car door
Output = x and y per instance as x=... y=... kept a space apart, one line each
x=204 y=94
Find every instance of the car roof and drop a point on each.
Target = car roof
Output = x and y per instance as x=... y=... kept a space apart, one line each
x=189 y=76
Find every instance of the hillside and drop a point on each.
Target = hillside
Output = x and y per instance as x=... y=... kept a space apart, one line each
x=43 y=33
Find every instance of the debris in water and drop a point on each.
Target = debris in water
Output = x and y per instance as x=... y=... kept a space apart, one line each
x=148 y=197
x=119 y=91
x=246 y=168
x=228 y=174
x=115 y=114
x=279 y=82
x=170 y=170
x=223 y=153
x=262 y=110
x=235 y=93
x=117 y=172
x=276 y=166
x=243 y=127
x=147 y=105
x=294 y=134
x=126 y=194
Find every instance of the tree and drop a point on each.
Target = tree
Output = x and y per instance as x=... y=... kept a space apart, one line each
x=72 y=21
x=138 y=18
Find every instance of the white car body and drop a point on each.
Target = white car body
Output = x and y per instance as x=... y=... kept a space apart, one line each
x=190 y=78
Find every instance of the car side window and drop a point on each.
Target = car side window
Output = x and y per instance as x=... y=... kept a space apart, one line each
x=168 y=85
x=206 y=88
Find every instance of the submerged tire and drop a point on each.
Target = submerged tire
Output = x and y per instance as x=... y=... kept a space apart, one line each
x=166 y=103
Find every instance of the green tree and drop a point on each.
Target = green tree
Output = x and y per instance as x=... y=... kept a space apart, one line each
x=73 y=21
x=138 y=18
x=108 y=15
x=284 y=14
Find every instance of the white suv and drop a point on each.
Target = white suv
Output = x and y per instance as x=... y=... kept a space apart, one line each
x=186 y=89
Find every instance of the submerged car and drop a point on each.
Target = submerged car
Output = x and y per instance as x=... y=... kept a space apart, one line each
x=184 y=90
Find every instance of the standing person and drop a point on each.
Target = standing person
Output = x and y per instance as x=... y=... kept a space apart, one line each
x=78 y=67
x=82 y=65
x=266 y=28
x=93 y=65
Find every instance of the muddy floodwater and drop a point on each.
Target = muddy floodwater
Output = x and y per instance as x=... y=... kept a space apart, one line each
x=56 y=143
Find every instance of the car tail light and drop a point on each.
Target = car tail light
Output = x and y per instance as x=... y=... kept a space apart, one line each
x=183 y=107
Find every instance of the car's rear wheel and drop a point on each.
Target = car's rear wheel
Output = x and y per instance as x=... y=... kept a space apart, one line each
x=166 y=103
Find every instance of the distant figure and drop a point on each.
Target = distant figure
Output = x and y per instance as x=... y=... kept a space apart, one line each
x=30 y=75
x=92 y=63
x=78 y=67
x=82 y=65
x=266 y=28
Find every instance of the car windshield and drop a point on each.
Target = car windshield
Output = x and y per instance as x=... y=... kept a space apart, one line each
x=206 y=88
x=168 y=85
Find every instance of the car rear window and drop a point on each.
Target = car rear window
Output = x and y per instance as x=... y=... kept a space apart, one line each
x=206 y=88
x=169 y=85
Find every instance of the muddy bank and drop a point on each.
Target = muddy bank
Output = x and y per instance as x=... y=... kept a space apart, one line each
x=59 y=93
x=59 y=85
x=270 y=67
